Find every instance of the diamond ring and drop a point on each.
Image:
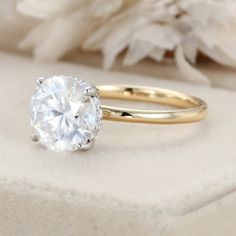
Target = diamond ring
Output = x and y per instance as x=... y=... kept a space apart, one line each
x=66 y=113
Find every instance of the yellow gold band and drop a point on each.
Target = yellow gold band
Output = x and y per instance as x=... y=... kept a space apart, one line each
x=188 y=108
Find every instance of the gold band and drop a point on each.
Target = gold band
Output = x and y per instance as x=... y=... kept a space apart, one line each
x=189 y=108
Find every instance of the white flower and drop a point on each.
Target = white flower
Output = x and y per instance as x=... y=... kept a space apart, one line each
x=144 y=28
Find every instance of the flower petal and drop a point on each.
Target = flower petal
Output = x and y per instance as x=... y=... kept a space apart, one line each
x=189 y=73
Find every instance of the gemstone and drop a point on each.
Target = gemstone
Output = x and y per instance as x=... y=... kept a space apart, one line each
x=65 y=113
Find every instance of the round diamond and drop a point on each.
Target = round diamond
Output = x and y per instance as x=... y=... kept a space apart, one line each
x=65 y=113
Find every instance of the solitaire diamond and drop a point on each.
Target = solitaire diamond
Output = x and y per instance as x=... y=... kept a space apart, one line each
x=65 y=113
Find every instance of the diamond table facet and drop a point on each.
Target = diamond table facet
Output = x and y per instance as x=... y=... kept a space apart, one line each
x=65 y=113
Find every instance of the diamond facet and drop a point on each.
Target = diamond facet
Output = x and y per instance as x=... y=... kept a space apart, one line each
x=65 y=113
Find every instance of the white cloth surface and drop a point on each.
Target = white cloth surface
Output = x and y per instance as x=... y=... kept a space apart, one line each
x=137 y=180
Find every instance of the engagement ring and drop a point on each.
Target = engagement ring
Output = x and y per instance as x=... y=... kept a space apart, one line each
x=66 y=113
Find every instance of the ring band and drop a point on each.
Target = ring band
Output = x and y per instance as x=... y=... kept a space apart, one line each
x=190 y=109
x=66 y=112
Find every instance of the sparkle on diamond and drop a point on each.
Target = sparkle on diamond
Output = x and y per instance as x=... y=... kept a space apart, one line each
x=62 y=115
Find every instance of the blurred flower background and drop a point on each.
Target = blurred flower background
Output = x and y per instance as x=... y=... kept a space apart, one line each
x=182 y=30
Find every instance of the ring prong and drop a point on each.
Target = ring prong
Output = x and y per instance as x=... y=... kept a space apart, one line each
x=34 y=137
x=91 y=91
x=87 y=146
x=40 y=80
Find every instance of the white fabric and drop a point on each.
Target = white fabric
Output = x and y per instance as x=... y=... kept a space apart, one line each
x=137 y=180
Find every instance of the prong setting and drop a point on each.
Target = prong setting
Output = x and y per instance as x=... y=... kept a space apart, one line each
x=40 y=80
x=34 y=137
x=87 y=146
x=91 y=91
x=65 y=113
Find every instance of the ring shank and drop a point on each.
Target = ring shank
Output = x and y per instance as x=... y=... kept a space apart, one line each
x=188 y=108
